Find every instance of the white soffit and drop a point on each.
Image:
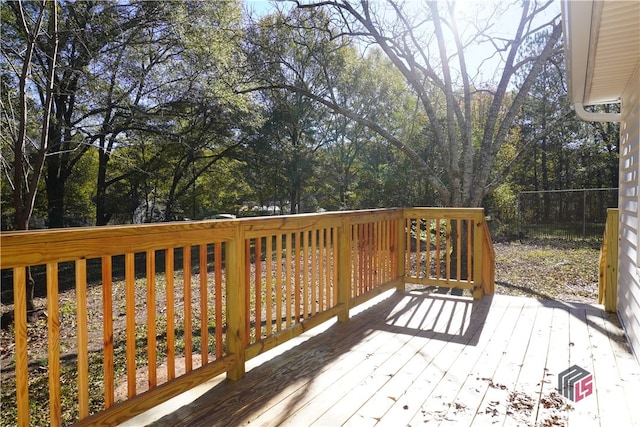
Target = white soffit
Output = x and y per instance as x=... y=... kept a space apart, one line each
x=602 y=47
x=617 y=52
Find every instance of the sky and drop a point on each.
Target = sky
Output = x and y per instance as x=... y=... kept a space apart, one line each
x=468 y=11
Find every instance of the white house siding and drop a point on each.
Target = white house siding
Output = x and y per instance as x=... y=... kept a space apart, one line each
x=629 y=256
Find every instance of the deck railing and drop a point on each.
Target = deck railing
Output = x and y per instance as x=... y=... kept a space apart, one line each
x=449 y=247
x=213 y=294
x=608 y=279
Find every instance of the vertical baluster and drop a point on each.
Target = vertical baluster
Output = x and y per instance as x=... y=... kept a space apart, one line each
x=278 y=282
x=296 y=280
x=381 y=253
x=458 y=250
x=219 y=308
x=367 y=257
x=151 y=318
x=53 y=328
x=370 y=255
x=447 y=224
x=418 y=247
x=305 y=272
x=327 y=264
x=407 y=262
x=269 y=285
x=387 y=250
x=427 y=224
x=335 y=253
x=169 y=263
x=314 y=282
x=107 y=330
x=438 y=243
x=375 y=248
x=401 y=251
x=287 y=287
x=20 y=325
x=469 y=249
x=393 y=248
x=382 y=256
x=130 y=297
x=361 y=259
x=356 y=260
x=321 y=269
x=204 y=306
x=247 y=293
x=186 y=292
x=258 y=285
x=82 y=338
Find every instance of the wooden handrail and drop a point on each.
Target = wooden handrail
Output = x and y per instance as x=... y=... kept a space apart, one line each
x=226 y=290
x=608 y=277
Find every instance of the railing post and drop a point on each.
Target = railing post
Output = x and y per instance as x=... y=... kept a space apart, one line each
x=344 y=268
x=611 y=289
x=401 y=238
x=236 y=310
x=20 y=327
x=478 y=260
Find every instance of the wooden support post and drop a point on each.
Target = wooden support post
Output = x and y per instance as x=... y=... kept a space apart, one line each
x=478 y=290
x=236 y=310
x=344 y=269
x=20 y=328
x=401 y=249
x=611 y=291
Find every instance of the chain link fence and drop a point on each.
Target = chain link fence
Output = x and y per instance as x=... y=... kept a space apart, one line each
x=564 y=214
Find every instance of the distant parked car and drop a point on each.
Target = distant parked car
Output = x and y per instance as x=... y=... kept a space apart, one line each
x=224 y=216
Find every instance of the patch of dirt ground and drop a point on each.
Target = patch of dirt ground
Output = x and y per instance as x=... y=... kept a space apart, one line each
x=566 y=271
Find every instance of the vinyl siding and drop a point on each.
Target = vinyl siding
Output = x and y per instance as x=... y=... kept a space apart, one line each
x=629 y=255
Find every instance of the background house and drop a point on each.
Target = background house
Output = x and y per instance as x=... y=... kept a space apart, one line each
x=602 y=46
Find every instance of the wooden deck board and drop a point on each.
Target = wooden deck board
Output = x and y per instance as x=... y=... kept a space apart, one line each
x=413 y=358
x=612 y=407
x=628 y=374
x=470 y=365
x=580 y=354
x=493 y=389
x=396 y=393
x=557 y=360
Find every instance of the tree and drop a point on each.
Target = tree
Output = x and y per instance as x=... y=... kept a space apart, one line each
x=36 y=25
x=168 y=83
x=30 y=50
x=563 y=152
x=429 y=50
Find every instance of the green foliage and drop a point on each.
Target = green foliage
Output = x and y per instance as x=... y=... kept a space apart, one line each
x=188 y=109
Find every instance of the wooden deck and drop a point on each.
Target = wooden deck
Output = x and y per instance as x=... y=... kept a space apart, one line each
x=414 y=358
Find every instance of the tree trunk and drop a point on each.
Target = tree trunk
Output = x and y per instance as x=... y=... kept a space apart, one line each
x=102 y=216
x=55 y=181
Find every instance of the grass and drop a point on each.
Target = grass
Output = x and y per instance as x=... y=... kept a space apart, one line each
x=548 y=269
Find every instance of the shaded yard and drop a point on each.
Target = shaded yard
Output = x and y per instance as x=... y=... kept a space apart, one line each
x=566 y=271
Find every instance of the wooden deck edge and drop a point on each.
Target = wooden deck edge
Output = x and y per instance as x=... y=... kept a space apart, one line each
x=130 y=408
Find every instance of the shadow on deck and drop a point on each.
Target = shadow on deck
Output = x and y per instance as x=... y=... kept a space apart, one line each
x=415 y=357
